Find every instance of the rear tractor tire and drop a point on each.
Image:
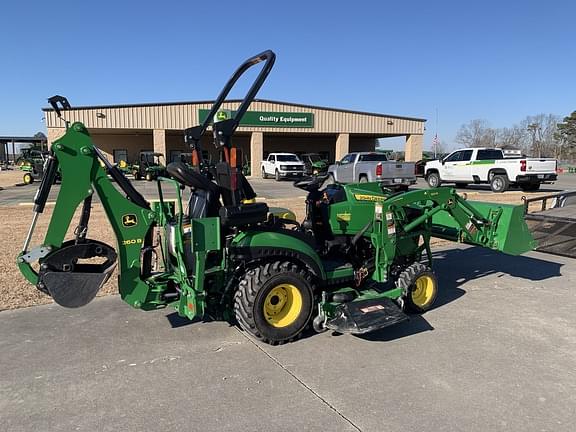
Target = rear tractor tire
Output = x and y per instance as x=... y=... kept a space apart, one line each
x=420 y=288
x=274 y=302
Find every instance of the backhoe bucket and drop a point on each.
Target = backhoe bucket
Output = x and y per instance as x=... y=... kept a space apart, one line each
x=505 y=229
x=72 y=283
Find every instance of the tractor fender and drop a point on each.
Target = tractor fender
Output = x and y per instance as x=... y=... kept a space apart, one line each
x=258 y=245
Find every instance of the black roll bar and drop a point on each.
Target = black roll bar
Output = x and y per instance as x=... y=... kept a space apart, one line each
x=194 y=134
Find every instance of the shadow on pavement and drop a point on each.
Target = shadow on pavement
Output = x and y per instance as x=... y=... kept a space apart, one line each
x=455 y=267
x=416 y=324
x=176 y=321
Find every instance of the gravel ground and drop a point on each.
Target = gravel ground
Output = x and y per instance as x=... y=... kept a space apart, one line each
x=16 y=292
x=10 y=178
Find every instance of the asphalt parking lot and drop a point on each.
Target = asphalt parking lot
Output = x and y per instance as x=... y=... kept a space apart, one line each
x=496 y=353
x=267 y=189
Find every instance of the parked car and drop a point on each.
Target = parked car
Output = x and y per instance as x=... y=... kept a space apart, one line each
x=373 y=167
x=490 y=165
x=282 y=165
x=314 y=164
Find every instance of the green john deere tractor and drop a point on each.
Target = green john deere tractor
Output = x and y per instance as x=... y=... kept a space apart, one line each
x=359 y=261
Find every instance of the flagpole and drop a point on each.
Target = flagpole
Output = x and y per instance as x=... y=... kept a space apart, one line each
x=436 y=137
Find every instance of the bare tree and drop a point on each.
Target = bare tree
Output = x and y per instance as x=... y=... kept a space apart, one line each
x=476 y=133
x=542 y=130
x=514 y=137
x=438 y=147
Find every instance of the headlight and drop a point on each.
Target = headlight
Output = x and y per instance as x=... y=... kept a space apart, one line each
x=283 y=167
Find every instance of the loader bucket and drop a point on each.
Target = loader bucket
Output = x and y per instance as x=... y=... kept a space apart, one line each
x=505 y=231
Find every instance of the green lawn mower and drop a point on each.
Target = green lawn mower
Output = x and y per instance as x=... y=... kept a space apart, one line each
x=150 y=166
x=359 y=261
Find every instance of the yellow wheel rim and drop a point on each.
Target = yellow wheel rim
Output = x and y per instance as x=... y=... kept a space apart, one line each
x=27 y=179
x=423 y=292
x=282 y=305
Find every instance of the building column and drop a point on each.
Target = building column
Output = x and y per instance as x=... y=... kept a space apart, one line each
x=413 y=148
x=160 y=142
x=53 y=134
x=342 y=146
x=256 y=152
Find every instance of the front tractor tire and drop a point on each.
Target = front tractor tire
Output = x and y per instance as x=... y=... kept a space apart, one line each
x=274 y=302
x=420 y=287
x=149 y=177
x=28 y=179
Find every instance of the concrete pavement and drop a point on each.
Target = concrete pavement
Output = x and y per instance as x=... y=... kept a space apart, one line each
x=498 y=353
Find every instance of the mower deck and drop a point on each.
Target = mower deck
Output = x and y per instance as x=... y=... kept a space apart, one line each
x=363 y=316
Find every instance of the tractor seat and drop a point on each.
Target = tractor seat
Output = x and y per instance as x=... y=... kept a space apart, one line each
x=205 y=198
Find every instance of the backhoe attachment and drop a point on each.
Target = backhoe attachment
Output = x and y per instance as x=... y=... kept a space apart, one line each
x=73 y=271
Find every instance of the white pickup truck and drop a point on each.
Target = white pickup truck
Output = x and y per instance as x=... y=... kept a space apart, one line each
x=489 y=165
x=282 y=165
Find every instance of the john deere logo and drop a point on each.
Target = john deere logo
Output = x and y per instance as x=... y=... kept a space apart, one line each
x=221 y=116
x=129 y=220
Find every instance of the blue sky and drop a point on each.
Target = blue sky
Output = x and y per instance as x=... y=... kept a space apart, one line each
x=494 y=60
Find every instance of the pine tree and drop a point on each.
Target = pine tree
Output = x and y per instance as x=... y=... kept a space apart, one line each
x=567 y=135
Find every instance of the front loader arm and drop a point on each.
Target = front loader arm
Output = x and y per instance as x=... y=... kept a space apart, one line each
x=449 y=216
x=78 y=160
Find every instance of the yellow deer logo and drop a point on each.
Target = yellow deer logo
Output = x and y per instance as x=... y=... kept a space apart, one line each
x=129 y=220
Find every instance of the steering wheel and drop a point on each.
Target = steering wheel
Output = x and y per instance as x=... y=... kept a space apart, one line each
x=310 y=184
